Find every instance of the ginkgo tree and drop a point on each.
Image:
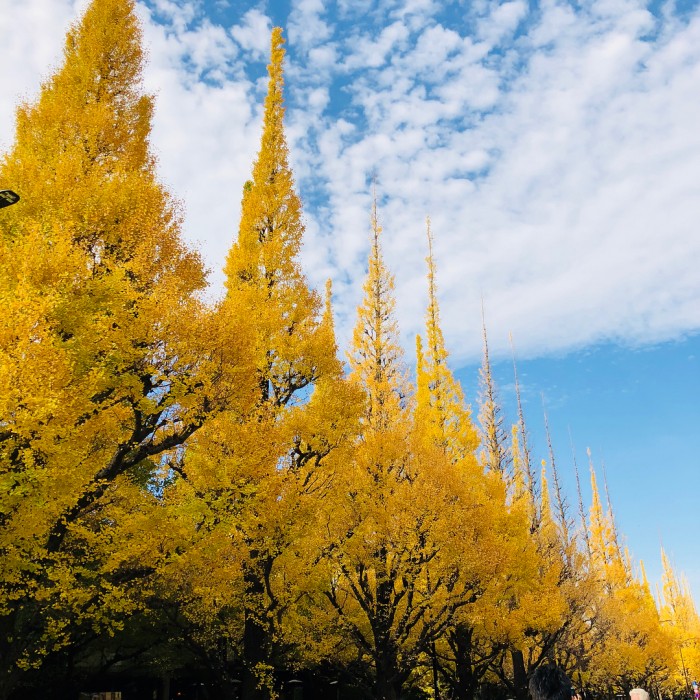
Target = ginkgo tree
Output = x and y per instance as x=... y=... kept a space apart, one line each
x=207 y=478
x=256 y=469
x=414 y=532
x=681 y=623
x=103 y=365
x=630 y=645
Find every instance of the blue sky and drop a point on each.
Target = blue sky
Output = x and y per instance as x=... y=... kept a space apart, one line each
x=555 y=146
x=637 y=412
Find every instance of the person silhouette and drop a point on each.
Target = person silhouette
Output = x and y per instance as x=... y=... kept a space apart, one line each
x=549 y=682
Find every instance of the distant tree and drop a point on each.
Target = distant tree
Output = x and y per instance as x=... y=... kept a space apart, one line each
x=630 y=648
x=441 y=412
x=681 y=624
x=495 y=455
x=412 y=534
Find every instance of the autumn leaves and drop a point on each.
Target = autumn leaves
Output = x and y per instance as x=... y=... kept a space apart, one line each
x=209 y=487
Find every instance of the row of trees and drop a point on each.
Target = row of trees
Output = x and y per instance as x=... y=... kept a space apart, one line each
x=187 y=485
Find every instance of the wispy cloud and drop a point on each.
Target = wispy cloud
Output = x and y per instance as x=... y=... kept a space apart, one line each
x=555 y=147
x=253 y=33
x=556 y=160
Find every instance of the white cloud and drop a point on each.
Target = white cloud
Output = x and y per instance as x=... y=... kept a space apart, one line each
x=579 y=225
x=177 y=15
x=502 y=21
x=253 y=33
x=322 y=58
x=558 y=168
x=306 y=26
x=364 y=52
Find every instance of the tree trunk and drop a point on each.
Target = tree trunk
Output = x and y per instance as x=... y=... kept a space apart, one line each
x=6 y=684
x=519 y=674
x=227 y=689
x=465 y=679
x=387 y=688
x=15 y=627
x=226 y=685
x=435 y=670
x=255 y=637
x=165 y=687
x=389 y=679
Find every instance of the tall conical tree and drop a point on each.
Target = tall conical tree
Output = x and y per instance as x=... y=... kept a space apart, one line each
x=616 y=550
x=293 y=348
x=376 y=358
x=444 y=420
x=547 y=522
x=399 y=569
x=522 y=466
x=562 y=517
x=679 y=612
x=263 y=276
x=607 y=556
x=104 y=364
x=628 y=645
x=598 y=533
x=583 y=524
x=441 y=412
x=495 y=455
x=678 y=604
x=364 y=557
